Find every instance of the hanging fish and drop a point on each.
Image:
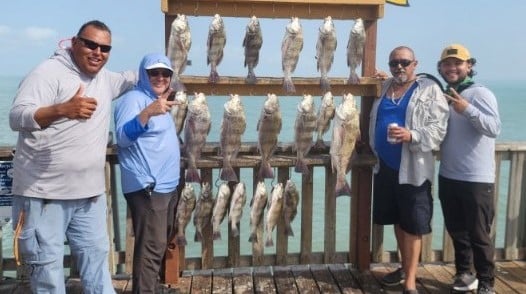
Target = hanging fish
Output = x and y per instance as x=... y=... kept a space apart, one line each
x=179 y=44
x=196 y=129
x=232 y=128
x=325 y=48
x=252 y=43
x=345 y=133
x=304 y=127
x=291 y=47
x=268 y=127
x=215 y=45
x=355 y=48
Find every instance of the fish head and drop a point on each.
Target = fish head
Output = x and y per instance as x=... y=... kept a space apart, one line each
x=205 y=189
x=223 y=188
x=294 y=26
x=358 y=27
x=271 y=104
x=347 y=108
x=217 y=23
x=180 y=23
x=240 y=188
x=328 y=26
x=290 y=186
x=327 y=99
x=277 y=191
x=306 y=104
x=261 y=188
x=253 y=25
x=188 y=191
x=180 y=96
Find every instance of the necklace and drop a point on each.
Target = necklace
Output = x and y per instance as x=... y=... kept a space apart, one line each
x=396 y=100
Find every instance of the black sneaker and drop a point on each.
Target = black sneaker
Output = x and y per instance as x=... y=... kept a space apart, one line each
x=465 y=282
x=394 y=278
x=412 y=291
x=484 y=288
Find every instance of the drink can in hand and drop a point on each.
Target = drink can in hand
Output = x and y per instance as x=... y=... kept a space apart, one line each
x=390 y=139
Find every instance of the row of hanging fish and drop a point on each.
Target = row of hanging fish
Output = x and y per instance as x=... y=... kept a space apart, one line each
x=195 y=119
x=291 y=46
x=206 y=210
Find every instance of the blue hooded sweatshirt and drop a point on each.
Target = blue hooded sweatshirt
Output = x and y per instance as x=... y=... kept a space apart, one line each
x=150 y=154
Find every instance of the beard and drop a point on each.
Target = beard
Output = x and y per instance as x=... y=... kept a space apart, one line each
x=401 y=78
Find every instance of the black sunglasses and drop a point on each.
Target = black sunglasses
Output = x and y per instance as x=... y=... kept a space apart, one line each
x=402 y=62
x=156 y=72
x=94 y=45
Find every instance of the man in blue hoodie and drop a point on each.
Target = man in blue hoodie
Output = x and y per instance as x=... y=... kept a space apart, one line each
x=149 y=159
x=62 y=112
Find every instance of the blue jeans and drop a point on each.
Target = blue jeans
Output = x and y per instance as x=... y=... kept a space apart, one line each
x=41 y=241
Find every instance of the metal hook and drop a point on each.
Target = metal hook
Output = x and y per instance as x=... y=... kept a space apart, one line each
x=217 y=180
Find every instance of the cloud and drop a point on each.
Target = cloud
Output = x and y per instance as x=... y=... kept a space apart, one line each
x=39 y=33
x=5 y=30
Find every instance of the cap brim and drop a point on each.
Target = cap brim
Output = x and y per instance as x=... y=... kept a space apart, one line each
x=159 y=65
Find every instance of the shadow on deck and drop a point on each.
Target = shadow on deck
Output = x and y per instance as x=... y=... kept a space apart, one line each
x=315 y=278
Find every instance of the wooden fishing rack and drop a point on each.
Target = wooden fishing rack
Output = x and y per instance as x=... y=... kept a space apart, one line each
x=370 y=11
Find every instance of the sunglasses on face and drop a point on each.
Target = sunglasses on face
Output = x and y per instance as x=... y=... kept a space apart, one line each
x=94 y=45
x=402 y=62
x=156 y=72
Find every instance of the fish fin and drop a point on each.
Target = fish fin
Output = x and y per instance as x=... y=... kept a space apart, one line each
x=269 y=242
x=265 y=171
x=181 y=240
x=353 y=78
x=192 y=176
x=288 y=85
x=319 y=145
x=217 y=235
x=253 y=238
x=288 y=230
x=251 y=78
x=198 y=237
x=301 y=167
x=325 y=85
x=228 y=174
x=214 y=77
x=235 y=230
x=342 y=188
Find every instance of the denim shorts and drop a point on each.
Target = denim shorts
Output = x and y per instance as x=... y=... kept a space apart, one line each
x=411 y=207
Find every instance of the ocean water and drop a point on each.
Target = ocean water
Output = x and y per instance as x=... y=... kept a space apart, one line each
x=512 y=102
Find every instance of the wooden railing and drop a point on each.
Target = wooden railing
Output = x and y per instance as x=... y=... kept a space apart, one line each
x=510 y=160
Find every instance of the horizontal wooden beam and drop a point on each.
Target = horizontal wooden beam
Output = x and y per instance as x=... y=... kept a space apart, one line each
x=307 y=9
x=236 y=85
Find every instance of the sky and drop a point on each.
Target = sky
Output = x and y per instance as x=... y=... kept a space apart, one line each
x=31 y=30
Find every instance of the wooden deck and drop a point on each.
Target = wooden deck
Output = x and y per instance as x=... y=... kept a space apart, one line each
x=315 y=278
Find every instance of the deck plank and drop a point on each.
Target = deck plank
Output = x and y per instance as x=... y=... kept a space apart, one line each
x=242 y=280
x=434 y=278
x=304 y=279
x=185 y=282
x=513 y=276
x=202 y=282
x=324 y=279
x=344 y=279
x=263 y=280
x=284 y=280
x=222 y=281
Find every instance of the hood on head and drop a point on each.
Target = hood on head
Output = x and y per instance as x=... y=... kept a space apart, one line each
x=151 y=61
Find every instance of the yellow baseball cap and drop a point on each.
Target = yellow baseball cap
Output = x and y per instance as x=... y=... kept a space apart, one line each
x=457 y=51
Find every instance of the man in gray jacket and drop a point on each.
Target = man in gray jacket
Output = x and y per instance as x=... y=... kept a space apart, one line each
x=62 y=112
x=405 y=169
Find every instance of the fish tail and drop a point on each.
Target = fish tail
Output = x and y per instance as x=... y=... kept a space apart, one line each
x=198 y=237
x=217 y=235
x=319 y=144
x=301 y=167
x=269 y=242
x=214 y=76
x=353 y=78
x=324 y=84
x=265 y=171
x=235 y=230
x=192 y=176
x=177 y=85
x=253 y=238
x=228 y=174
x=288 y=85
x=342 y=188
x=288 y=230
x=251 y=78
x=181 y=240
